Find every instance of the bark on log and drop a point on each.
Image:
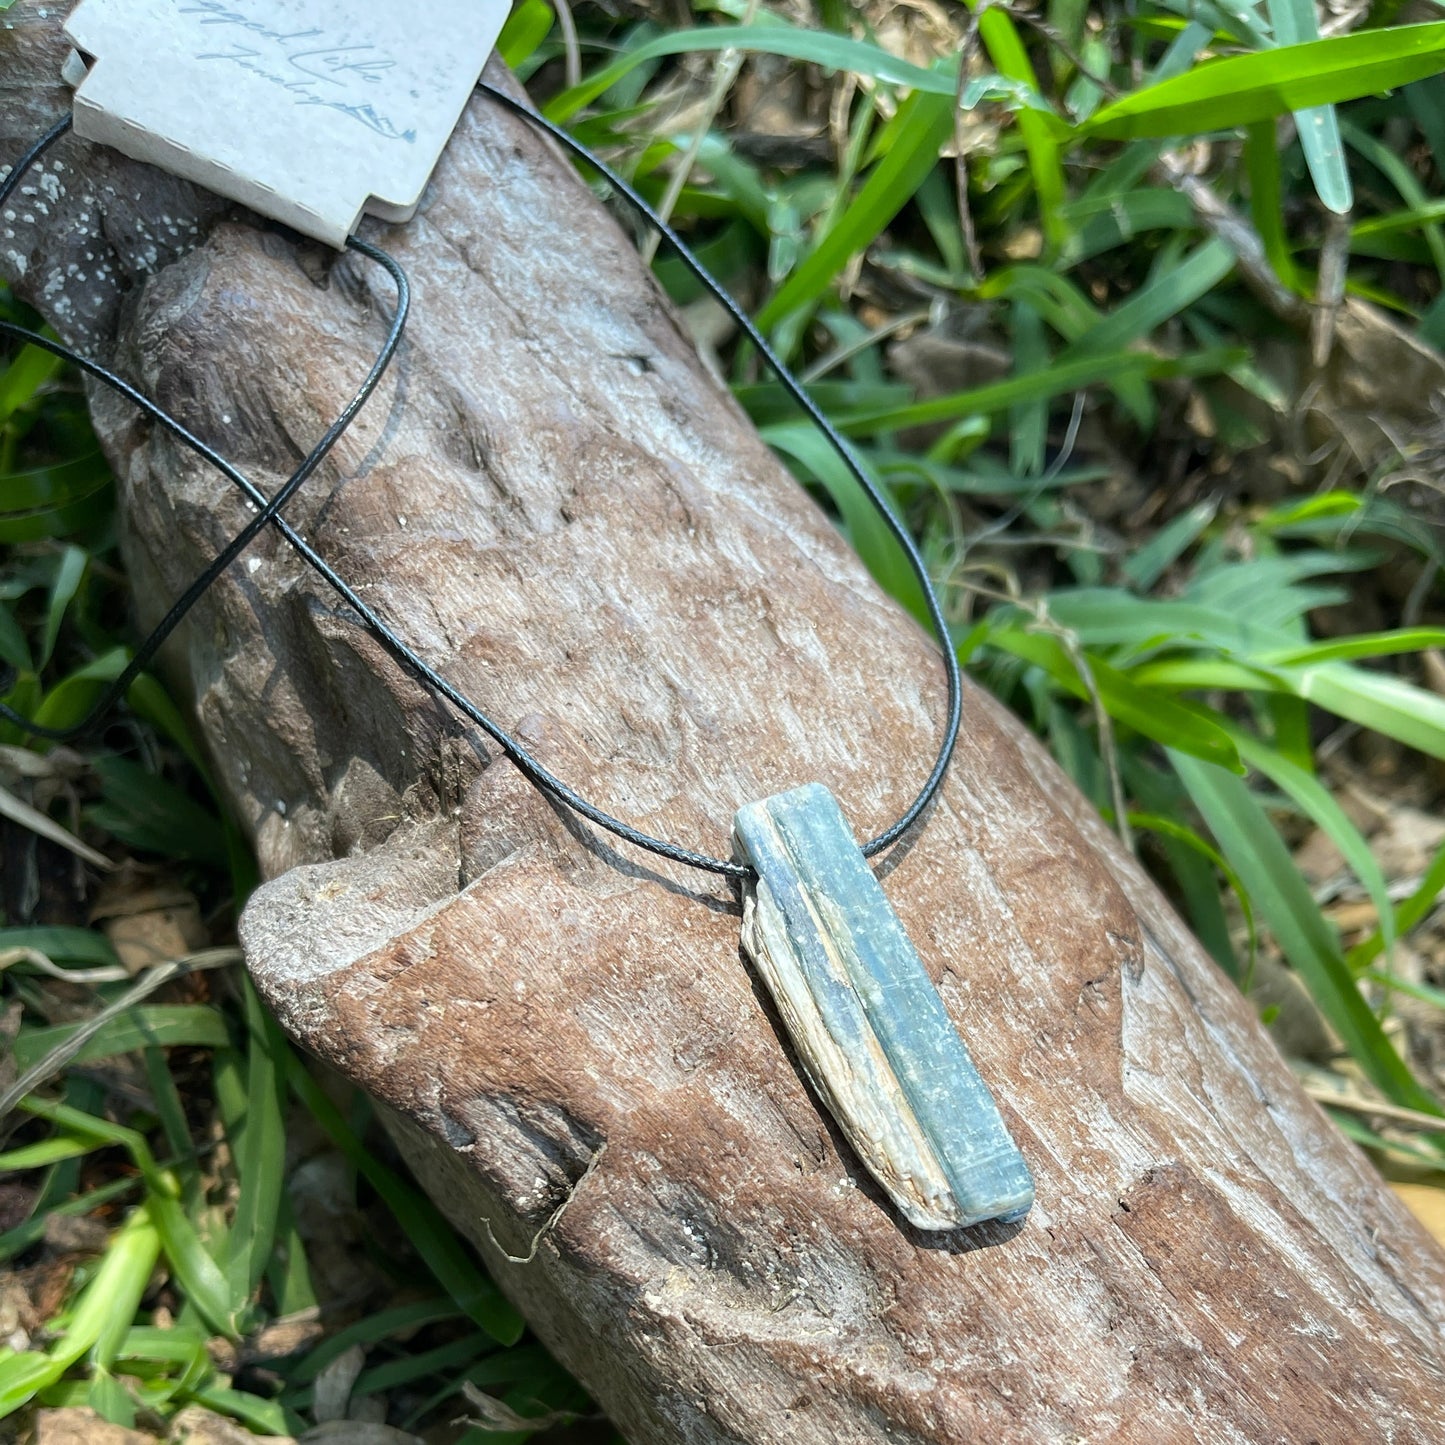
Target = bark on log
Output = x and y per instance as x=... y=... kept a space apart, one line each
x=556 y=503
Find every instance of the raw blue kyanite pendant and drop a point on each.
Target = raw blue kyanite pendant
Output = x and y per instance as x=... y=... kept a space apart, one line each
x=867 y=1023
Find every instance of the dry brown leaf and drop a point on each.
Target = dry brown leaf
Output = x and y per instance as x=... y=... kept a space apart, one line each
x=196 y=1426
x=148 y=918
x=80 y=1425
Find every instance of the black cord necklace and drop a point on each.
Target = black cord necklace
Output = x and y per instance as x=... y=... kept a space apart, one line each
x=270 y=515
x=868 y=1025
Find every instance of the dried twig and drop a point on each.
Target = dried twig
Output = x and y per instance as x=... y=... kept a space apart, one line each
x=724 y=76
x=1223 y=221
x=552 y=1219
x=153 y=979
x=1330 y=295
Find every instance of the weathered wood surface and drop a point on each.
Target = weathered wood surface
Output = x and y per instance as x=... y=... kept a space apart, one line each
x=556 y=503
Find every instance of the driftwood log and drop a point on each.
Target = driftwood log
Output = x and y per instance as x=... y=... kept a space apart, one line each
x=558 y=506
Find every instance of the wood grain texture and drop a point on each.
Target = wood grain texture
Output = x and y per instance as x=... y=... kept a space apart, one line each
x=552 y=499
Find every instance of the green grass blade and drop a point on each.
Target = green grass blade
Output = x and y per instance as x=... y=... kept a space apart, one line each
x=926 y=122
x=819 y=47
x=23 y=1376
x=150 y=1025
x=1061 y=377
x=1295 y=23
x=1412 y=911
x=431 y=1236
x=1266 y=199
x=1376 y=700
x=263 y=1417
x=43 y=1153
x=288 y=1272
x=1242 y=89
x=68 y=575
x=871 y=539
x=1159 y=299
x=1254 y=848
x=1397 y=171
x=107 y=1306
x=1147 y=712
x=1363 y=645
x=372 y=1330
x=1148 y=563
x=23 y=378
x=62 y=945
x=261 y=1160
x=1029 y=421
x=1040 y=132
x=526 y=28
x=1320 y=807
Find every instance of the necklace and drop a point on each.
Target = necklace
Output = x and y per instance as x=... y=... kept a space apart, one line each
x=867 y=1025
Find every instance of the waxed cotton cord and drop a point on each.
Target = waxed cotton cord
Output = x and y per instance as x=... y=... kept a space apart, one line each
x=846 y=454
x=269 y=514
x=269 y=510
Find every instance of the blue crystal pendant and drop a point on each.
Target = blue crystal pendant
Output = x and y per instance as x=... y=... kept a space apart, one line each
x=866 y=1021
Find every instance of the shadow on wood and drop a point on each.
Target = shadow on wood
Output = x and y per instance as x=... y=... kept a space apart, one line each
x=552 y=500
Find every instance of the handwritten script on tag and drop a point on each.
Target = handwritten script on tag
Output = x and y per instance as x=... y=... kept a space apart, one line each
x=309 y=111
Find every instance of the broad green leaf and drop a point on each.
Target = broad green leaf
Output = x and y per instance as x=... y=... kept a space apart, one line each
x=1242 y=89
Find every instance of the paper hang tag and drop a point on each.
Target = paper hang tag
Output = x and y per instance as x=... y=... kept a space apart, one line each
x=308 y=111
